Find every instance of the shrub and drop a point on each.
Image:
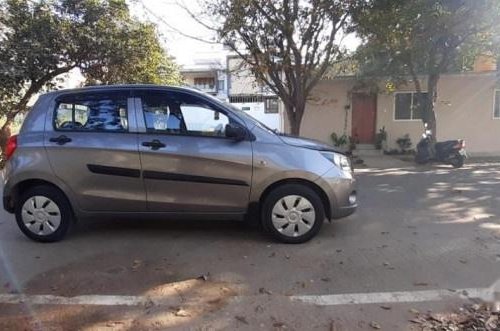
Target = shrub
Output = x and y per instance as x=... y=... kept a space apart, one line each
x=339 y=141
x=380 y=138
x=404 y=143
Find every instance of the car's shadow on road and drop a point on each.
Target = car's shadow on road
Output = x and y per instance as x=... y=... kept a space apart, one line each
x=140 y=228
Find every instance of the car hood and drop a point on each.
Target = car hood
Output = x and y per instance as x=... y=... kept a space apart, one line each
x=308 y=143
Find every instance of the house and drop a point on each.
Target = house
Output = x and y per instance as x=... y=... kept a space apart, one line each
x=207 y=75
x=233 y=82
x=251 y=96
x=467 y=107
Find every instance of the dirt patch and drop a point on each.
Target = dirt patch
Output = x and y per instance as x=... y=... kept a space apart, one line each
x=105 y=274
x=169 y=305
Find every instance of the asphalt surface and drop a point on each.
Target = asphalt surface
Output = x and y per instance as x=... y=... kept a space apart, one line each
x=418 y=228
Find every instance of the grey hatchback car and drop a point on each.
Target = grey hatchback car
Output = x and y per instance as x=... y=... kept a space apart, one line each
x=145 y=150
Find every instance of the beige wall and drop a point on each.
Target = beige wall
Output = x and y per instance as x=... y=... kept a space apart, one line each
x=464 y=109
x=326 y=110
x=242 y=79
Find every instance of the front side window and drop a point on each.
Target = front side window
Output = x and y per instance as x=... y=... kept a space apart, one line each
x=92 y=112
x=496 y=113
x=409 y=106
x=182 y=114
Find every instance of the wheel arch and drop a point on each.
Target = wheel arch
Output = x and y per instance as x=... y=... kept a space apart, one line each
x=19 y=188
x=322 y=194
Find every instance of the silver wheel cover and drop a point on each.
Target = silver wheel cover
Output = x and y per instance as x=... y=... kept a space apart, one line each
x=41 y=215
x=293 y=216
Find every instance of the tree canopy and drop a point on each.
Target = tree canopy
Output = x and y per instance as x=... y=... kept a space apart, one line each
x=42 y=39
x=424 y=37
x=288 y=45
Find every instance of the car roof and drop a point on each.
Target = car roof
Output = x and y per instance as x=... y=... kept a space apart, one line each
x=98 y=88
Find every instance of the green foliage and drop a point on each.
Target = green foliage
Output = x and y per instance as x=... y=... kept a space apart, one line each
x=404 y=39
x=339 y=141
x=42 y=39
x=288 y=45
x=404 y=143
x=380 y=138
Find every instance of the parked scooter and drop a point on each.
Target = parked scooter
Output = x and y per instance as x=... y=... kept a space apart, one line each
x=449 y=152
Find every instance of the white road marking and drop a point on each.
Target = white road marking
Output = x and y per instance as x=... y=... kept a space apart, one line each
x=90 y=300
x=487 y=294
x=396 y=297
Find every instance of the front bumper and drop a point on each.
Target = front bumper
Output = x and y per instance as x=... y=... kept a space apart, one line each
x=340 y=188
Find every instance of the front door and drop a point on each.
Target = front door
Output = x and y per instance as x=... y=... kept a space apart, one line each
x=188 y=164
x=92 y=151
x=364 y=110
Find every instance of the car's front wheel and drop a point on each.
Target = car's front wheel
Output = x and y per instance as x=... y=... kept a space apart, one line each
x=43 y=214
x=293 y=213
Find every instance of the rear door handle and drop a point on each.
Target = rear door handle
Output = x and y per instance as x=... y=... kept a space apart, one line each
x=155 y=144
x=61 y=140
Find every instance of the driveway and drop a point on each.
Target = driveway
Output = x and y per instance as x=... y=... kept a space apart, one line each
x=423 y=238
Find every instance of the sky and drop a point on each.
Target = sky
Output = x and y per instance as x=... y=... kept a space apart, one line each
x=176 y=26
x=179 y=32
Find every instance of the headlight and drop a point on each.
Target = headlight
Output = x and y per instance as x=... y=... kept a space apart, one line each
x=339 y=160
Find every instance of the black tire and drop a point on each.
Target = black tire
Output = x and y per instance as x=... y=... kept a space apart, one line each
x=457 y=161
x=57 y=197
x=284 y=191
x=419 y=159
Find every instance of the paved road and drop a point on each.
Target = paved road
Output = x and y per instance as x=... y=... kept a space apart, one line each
x=418 y=229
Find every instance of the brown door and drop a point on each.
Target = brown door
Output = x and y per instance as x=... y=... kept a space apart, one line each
x=364 y=110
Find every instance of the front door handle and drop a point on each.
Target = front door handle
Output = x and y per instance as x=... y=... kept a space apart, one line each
x=61 y=140
x=155 y=144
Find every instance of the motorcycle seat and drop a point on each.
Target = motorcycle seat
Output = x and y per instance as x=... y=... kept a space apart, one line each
x=446 y=145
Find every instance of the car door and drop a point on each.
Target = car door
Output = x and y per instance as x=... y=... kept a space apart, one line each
x=92 y=149
x=188 y=163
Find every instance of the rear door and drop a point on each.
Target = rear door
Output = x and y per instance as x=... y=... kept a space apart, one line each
x=188 y=163
x=91 y=149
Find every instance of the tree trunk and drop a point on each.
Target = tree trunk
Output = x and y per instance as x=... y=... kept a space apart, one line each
x=294 y=115
x=4 y=135
x=429 y=109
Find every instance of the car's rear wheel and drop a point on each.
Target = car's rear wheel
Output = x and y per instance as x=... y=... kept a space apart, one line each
x=43 y=214
x=293 y=213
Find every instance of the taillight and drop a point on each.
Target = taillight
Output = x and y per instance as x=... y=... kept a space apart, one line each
x=460 y=145
x=11 y=146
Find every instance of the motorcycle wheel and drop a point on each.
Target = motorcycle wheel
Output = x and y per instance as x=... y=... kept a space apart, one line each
x=457 y=161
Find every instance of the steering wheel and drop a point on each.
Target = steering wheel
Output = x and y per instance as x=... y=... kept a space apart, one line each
x=70 y=125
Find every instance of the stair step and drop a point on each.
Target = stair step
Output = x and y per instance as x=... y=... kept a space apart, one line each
x=365 y=147
x=367 y=152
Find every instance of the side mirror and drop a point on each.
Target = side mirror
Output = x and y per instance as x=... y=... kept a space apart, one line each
x=235 y=131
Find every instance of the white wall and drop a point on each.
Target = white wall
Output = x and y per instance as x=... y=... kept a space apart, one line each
x=273 y=121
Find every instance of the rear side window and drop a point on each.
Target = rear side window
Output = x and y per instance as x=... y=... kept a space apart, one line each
x=92 y=112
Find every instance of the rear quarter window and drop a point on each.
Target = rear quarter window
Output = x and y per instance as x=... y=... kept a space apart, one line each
x=92 y=112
